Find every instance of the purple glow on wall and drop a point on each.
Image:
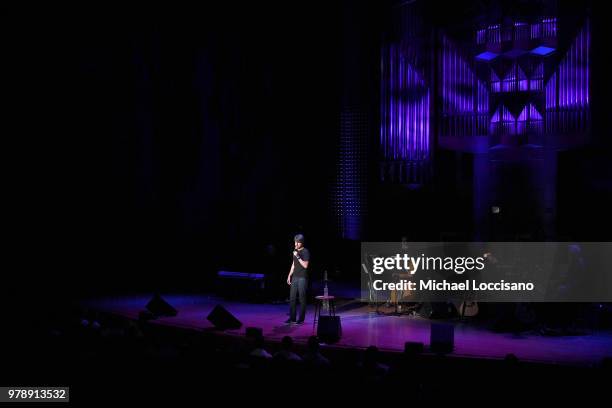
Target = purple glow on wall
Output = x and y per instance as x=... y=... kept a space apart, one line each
x=405 y=123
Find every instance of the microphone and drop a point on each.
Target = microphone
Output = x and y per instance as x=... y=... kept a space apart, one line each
x=296 y=253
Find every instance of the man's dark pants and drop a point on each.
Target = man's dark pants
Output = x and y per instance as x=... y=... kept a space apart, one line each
x=298 y=289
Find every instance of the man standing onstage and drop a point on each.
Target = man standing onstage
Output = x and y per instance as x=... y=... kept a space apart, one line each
x=298 y=279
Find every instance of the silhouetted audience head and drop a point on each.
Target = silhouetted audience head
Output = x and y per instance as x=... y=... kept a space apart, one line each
x=259 y=342
x=511 y=360
x=370 y=356
x=287 y=343
x=285 y=354
x=313 y=344
x=606 y=364
x=312 y=356
x=259 y=348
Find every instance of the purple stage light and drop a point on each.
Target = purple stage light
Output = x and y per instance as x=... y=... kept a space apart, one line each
x=542 y=51
x=405 y=109
x=486 y=56
x=574 y=73
x=465 y=98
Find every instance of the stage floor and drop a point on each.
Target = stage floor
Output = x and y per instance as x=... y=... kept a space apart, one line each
x=362 y=328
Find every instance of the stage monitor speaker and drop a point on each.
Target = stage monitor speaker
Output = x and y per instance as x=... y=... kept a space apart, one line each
x=442 y=338
x=159 y=307
x=222 y=319
x=145 y=315
x=329 y=329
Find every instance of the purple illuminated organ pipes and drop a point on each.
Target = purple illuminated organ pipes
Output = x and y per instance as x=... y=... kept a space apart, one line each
x=506 y=33
x=503 y=124
x=549 y=27
x=551 y=103
x=521 y=30
x=494 y=34
x=536 y=30
x=574 y=73
x=536 y=79
x=523 y=82
x=545 y=28
x=465 y=98
x=495 y=82
x=529 y=120
x=481 y=36
x=567 y=90
x=404 y=109
x=509 y=80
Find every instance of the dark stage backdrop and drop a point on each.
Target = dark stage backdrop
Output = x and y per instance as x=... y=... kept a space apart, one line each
x=155 y=145
x=161 y=144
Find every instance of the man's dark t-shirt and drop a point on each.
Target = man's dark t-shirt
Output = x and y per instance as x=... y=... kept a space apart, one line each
x=298 y=270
